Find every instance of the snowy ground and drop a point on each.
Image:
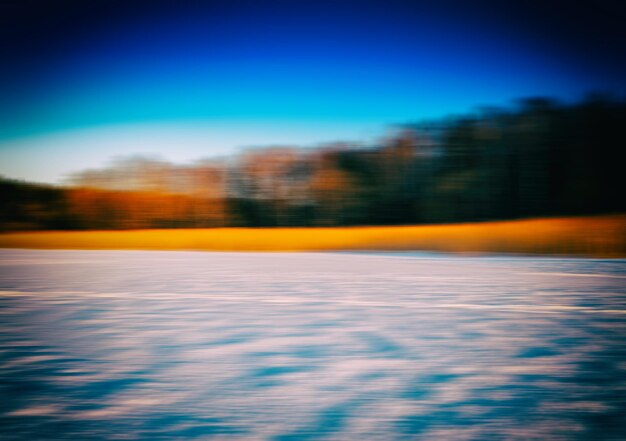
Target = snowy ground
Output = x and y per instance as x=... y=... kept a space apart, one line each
x=310 y=346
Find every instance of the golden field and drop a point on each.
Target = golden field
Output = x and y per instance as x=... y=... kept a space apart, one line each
x=597 y=236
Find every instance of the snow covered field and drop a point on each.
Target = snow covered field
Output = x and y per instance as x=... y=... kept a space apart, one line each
x=308 y=346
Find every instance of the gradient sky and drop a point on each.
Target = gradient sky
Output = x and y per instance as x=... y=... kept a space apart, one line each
x=82 y=82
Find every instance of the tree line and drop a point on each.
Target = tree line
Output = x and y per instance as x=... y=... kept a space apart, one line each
x=537 y=158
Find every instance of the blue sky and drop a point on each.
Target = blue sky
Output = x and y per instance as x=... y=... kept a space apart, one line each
x=184 y=80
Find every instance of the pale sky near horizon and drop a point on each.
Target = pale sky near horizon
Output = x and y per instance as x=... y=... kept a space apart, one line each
x=52 y=157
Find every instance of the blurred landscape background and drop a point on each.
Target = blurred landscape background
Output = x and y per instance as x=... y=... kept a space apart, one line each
x=540 y=158
x=308 y=114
